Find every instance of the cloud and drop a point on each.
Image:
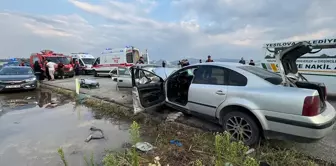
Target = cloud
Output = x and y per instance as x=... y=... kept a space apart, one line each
x=223 y=28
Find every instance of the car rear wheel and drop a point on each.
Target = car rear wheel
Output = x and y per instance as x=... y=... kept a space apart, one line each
x=242 y=127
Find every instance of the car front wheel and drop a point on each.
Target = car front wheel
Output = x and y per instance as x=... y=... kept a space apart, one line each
x=241 y=127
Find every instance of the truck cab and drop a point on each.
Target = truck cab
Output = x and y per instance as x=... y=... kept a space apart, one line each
x=85 y=61
x=48 y=55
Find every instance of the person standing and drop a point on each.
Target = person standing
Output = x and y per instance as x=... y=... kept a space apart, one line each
x=141 y=61
x=51 y=68
x=163 y=64
x=252 y=63
x=200 y=61
x=22 y=63
x=46 y=69
x=209 y=59
x=185 y=62
x=38 y=71
x=242 y=61
x=60 y=68
x=76 y=68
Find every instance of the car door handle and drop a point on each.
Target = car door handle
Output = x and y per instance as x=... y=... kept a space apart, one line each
x=220 y=92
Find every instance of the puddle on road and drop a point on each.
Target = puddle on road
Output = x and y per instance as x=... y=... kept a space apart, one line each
x=31 y=131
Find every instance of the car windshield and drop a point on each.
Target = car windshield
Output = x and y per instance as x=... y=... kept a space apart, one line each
x=57 y=60
x=88 y=61
x=269 y=76
x=16 y=71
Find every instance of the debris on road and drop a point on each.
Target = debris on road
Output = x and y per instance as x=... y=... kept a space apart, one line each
x=173 y=116
x=51 y=105
x=144 y=146
x=87 y=83
x=95 y=134
x=250 y=151
x=175 y=142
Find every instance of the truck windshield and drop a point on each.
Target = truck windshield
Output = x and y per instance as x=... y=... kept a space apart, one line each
x=88 y=61
x=269 y=76
x=57 y=60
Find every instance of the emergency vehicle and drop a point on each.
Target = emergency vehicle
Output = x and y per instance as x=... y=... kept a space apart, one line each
x=317 y=66
x=52 y=57
x=11 y=62
x=85 y=60
x=107 y=63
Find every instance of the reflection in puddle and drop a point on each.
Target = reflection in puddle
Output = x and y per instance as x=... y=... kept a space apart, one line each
x=31 y=132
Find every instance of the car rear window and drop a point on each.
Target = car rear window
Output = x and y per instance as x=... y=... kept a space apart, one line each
x=269 y=76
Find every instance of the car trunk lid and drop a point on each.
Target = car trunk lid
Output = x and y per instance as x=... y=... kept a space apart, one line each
x=289 y=71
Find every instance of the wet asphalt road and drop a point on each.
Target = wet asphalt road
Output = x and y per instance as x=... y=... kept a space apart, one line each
x=32 y=129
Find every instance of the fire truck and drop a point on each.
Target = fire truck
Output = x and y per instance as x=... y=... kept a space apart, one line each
x=51 y=56
x=109 y=60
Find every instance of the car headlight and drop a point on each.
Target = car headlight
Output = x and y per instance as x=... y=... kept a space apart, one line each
x=70 y=69
x=30 y=79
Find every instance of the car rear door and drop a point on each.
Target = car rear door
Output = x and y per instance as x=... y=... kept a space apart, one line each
x=147 y=92
x=124 y=78
x=208 y=90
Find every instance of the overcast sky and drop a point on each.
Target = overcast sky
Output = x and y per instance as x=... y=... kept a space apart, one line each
x=169 y=29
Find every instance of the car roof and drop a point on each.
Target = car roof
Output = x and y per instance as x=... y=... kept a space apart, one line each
x=221 y=64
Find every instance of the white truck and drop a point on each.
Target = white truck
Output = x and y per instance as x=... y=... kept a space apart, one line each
x=109 y=60
x=85 y=61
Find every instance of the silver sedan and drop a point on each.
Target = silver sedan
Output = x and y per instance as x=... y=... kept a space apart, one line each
x=249 y=102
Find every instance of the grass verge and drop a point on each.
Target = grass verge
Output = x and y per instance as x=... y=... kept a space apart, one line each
x=199 y=147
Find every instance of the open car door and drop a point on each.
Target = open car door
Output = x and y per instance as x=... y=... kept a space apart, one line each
x=124 y=78
x=148 y=91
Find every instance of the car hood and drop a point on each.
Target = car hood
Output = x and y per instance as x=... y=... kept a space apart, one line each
x=288 y=57
x=15 y=77
x=164 y=72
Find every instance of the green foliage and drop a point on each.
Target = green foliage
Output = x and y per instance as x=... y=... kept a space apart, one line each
x=61 y=154
x=228 y=151
x=135 y=137
x=91 y=162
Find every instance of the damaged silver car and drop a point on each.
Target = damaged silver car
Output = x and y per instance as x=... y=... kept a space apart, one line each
x=249 y=102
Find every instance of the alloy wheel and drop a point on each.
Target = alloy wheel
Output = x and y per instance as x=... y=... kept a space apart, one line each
x=239 y=128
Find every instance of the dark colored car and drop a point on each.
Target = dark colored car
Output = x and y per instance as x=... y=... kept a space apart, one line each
x=17 y=78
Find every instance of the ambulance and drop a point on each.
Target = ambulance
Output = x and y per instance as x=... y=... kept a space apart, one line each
x=85 y=60
x=109 y=60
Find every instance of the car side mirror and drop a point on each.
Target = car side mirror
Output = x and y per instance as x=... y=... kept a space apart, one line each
x=115 y=79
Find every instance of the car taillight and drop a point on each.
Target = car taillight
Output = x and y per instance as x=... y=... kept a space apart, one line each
x=311 y=106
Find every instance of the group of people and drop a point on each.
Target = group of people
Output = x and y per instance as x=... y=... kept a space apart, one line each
x=242 y=61
x=185 y=62
x=47 y=70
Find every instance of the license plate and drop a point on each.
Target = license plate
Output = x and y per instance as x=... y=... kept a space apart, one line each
x=13 y=86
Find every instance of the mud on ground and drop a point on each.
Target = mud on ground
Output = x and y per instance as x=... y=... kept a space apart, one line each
x=196 y=144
